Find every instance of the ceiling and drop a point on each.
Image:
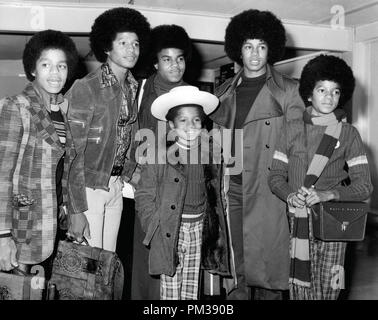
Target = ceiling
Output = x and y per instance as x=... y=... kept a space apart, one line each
x=356 y=12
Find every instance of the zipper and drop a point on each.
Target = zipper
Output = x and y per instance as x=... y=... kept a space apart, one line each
x=82 y=123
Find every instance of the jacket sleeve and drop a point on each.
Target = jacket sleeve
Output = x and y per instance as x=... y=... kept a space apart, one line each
x=294 y=105
x=278 y=176
x=360 y=186
x=11 y=131
x=146 y=197
x=80 y=114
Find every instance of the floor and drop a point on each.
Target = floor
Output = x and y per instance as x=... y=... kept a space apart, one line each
x=361 y=265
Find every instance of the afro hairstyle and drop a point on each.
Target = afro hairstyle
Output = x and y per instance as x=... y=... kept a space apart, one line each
x=49 y=39
x=170 y=36
x=255 y=24
x=113 y=21
x=327 y=67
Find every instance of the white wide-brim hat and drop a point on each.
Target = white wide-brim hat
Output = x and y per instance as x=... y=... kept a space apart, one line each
x=180 y=96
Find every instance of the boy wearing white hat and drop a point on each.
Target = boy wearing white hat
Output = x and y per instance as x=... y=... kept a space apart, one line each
x=179 y=201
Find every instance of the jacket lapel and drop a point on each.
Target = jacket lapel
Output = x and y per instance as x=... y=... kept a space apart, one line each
x=41 y=118
x=266 y=105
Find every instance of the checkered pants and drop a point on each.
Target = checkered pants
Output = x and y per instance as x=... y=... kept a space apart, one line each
x=327 y=263
x=185 y=282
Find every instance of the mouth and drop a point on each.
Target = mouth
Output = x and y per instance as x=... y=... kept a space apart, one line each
x=54 y=83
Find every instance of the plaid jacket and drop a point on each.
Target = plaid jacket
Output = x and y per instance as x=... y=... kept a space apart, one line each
x=30 y=150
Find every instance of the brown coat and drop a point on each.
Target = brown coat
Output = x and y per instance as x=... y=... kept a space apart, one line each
x=265 y=225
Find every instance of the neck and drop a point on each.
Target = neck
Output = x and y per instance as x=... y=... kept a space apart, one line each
x=46 y=96
x=184 y=144
x=254 y=74
x=119 y=71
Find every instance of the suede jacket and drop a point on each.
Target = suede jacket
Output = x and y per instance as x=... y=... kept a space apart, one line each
x=159 y=200
x=93 y=114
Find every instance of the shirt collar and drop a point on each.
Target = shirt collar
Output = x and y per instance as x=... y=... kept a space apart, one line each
x=109 y=79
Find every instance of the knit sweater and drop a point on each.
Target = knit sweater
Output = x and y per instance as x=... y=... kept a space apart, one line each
x=290 y=162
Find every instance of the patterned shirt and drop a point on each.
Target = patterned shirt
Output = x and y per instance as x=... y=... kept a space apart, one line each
x=126 y=115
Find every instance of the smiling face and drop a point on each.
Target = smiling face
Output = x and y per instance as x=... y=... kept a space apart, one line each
x=254 y=53
x=187 y=123
x=51 y=70
x=171 y=64
x=125 y=51
x=325 y=97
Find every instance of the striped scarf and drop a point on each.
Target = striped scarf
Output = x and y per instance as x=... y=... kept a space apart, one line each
x=300 y=266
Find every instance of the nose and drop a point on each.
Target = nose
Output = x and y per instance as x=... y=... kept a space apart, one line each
x=54 y=69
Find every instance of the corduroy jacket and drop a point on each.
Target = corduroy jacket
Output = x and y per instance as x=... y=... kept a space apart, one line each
x=30 y=151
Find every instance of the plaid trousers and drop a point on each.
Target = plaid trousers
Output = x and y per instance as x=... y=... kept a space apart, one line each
x=327 y=269
x=185 y=282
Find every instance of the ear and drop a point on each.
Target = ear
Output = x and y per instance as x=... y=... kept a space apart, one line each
x=309 y=99
x=171 y=124
x=33 y=74
x=156 y=66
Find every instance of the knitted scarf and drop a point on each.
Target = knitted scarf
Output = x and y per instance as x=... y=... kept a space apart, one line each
x=300 y=267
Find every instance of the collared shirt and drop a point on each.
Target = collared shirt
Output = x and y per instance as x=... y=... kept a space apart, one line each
x=126 y=115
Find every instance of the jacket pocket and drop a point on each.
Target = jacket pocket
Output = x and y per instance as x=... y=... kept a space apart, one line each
x=151 y=232
x=22 y=224
x=77 y=122
x=95 y=134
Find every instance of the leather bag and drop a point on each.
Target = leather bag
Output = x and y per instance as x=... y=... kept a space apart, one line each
x=339 y=221
x=22 y=286
x=82 y=272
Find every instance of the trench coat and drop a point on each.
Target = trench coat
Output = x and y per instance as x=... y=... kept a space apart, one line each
x=265 y=224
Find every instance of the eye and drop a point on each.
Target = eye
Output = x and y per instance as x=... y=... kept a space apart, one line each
x=136 y=45
x=181 y=59
x=62 y=66
x=321 y=90
x=337 y=92
x=45 y=64
x=263 y=47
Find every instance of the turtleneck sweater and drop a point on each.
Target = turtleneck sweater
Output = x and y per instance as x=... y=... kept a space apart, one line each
x=162 y=85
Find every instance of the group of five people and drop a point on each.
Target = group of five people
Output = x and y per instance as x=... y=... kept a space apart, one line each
x=72 y=156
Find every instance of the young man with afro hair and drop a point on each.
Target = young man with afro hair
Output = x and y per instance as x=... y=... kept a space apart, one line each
x=103 y=120
x=256 y=102
x=37 y=150
x=170 y=50
x=319 y=159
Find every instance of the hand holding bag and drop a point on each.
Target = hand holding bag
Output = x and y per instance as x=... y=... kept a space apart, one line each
x=339 y=221
x=82 y=272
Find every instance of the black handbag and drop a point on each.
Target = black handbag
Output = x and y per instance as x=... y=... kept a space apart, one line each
x=339 y=221
x=82 y=272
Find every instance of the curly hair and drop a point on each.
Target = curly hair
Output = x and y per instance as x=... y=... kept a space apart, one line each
x=49 y=39
x=255 y=24
x=170 y=36
x=327 y=67
x=108 y=24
